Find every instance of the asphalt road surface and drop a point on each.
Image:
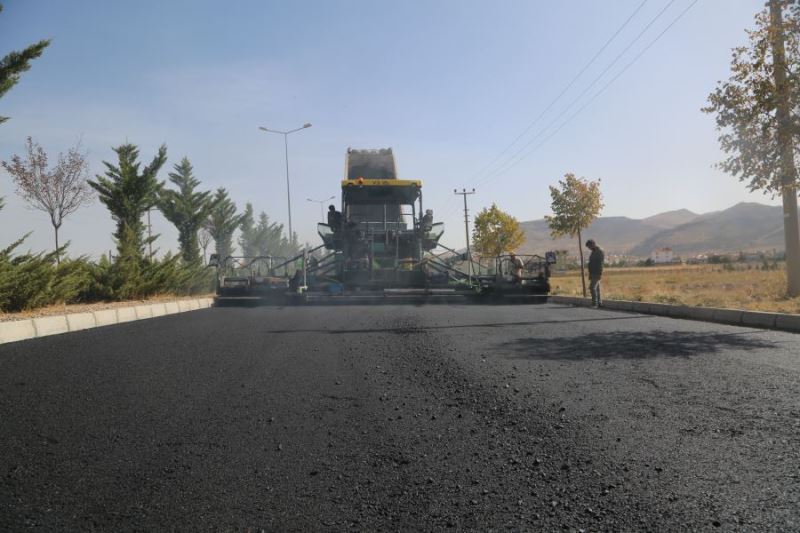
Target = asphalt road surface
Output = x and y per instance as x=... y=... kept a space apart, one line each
x=465 y=417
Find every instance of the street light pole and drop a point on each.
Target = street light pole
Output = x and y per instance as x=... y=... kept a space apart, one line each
x=288 y=194
x=320 y=202
x=286 y=155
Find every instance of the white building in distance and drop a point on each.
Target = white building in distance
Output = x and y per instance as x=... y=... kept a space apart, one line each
x=662 y=255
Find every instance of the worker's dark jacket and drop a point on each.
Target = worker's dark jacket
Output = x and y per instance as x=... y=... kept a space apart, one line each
x=596 y=263
x=335 y=220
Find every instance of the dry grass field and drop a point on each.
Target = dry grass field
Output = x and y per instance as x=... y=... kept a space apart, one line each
x=701 y=285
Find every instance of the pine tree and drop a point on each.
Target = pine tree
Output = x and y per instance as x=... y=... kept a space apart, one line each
x=15 y=63
x=128 y=194
x=248 y=232
x=186 y=208
x=270 y=237
x=222 y=222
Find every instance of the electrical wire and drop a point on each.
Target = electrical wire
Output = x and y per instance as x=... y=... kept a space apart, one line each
x=563 y=91
x=453 y=205
x=601 y=91
x=577 y=99
x=515 y=160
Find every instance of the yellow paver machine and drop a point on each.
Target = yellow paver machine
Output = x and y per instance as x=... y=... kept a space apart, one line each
x=382 y=245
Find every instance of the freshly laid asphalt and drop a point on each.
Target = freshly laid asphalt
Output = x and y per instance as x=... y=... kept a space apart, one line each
x=410 y=418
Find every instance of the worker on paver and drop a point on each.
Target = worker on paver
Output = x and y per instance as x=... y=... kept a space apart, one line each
x=313 y=267
x=334 y=218
x=296 y=281
x=516 y=267
x=427 y=220
x=595 y=271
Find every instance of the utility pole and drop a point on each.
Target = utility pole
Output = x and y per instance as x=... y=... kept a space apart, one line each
x=791 y=230
x=464 y=193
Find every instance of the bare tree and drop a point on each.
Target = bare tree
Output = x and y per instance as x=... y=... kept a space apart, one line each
x=204 y=238
x=59 y=191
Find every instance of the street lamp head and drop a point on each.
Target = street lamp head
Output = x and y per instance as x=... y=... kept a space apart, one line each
x=307 y=125
x=262 y=128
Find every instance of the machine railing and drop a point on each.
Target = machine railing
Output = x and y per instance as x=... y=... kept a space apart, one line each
x=259 y=265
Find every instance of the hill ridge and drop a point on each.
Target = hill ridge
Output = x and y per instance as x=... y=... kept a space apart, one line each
x=745 y=226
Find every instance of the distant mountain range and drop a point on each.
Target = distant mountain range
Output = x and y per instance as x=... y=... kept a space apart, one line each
x=743 y=227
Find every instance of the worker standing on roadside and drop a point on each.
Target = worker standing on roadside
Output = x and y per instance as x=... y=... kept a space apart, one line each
x=596 y=260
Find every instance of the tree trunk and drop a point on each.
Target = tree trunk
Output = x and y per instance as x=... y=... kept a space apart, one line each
x=580 y=251
x=58 y=252
x=791 y=229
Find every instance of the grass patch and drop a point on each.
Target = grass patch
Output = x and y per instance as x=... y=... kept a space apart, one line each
x=742 y=287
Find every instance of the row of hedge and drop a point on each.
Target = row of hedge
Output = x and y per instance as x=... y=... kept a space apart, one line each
x=31 y=280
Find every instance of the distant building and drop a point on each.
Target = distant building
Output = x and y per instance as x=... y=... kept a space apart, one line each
x=662 y=255
x=620 y=260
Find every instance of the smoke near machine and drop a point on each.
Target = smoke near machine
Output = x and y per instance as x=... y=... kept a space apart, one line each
x=372 y=164
x=378 y=164
x=380 y=243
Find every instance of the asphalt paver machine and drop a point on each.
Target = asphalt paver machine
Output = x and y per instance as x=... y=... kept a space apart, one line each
x=381 y=237
x=258 y=278
x=380 y=244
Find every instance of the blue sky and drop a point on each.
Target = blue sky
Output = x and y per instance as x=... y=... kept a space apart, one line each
x=448 y=84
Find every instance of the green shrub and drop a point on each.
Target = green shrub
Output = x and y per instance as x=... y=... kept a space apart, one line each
x=31 y=280
x=28 y=281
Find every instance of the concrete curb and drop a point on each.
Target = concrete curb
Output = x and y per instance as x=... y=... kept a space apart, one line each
x=81 y=321
x=50 y=325
x=19 y=330
x=125 y=314
x=735 y=317
x=105 y=317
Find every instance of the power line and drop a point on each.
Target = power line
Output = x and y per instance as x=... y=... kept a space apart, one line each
x=514 y=160
x=598 y=93
x=563 y=91
x=575 y=100
x=450 y=209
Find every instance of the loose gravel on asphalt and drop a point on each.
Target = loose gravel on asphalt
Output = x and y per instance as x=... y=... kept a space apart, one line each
x=402 y=418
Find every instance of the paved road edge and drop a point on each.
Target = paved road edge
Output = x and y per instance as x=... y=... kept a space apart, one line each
x=20 y=330
x=735 y=317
